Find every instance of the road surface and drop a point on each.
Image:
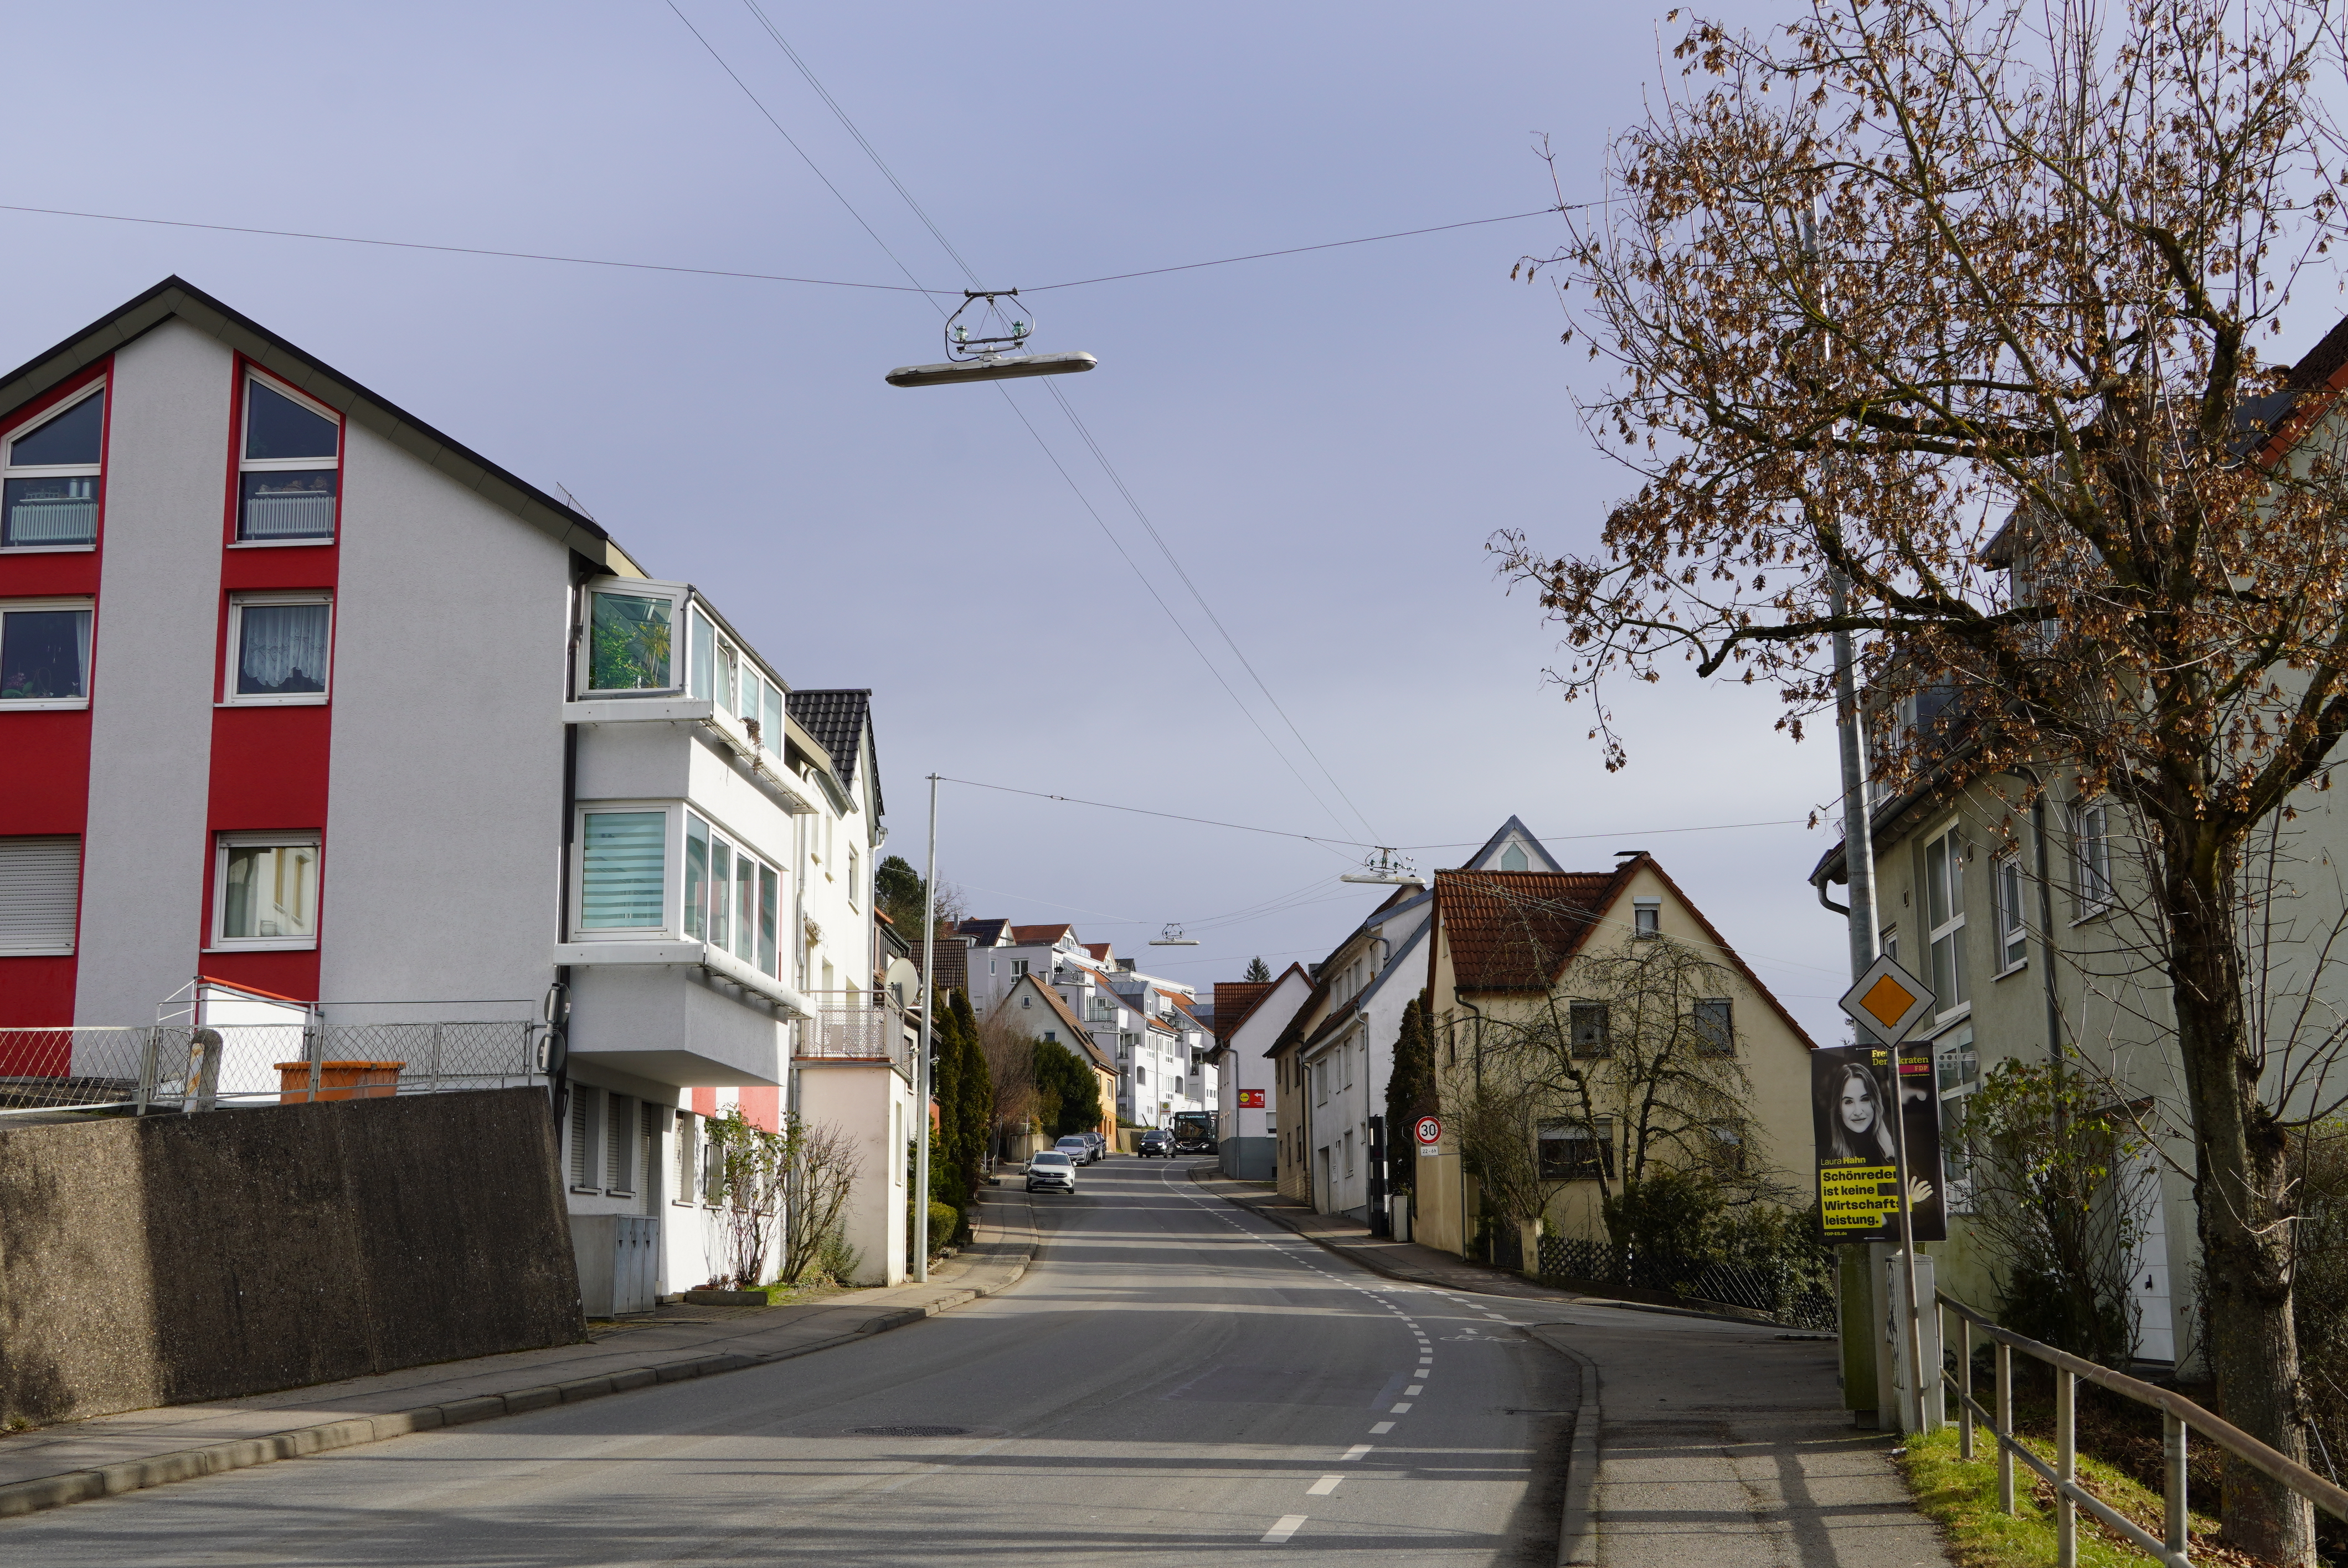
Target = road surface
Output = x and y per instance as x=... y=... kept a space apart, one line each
x=1174 y=1378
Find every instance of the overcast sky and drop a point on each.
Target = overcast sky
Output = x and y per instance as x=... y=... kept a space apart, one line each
x=1324 y=441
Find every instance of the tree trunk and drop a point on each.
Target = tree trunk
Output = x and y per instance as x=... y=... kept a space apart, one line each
x=2240 y=1194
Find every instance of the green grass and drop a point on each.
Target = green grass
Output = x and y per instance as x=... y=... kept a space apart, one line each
x=1960 y=1496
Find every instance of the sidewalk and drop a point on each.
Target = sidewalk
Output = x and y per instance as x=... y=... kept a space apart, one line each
x=51 y=1466
x=1698 y=1437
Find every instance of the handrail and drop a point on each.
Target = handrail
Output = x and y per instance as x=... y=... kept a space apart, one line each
x=2178 y=1413
x=2324 y=1494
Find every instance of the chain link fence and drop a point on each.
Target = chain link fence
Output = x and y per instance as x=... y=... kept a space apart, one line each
x=1795 y=1292
x=179 y=1066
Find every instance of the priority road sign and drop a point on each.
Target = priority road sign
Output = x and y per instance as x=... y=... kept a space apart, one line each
x=1887 y=1000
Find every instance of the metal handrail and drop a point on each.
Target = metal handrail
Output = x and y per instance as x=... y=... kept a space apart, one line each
x=2177 y=1414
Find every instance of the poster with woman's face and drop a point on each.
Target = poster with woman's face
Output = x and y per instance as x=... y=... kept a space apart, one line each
x=1852 y=1106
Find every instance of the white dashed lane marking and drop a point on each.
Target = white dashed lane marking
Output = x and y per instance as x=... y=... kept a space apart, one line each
x=1382 y=1429
x=1323 y=1486
x=1356 y=1452
x=1288 y=1526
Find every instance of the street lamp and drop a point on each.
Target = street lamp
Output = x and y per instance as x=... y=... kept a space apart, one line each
x=986 y=349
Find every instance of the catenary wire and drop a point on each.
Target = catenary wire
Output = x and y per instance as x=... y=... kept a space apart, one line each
x=1082 y=431
x=1021 y=414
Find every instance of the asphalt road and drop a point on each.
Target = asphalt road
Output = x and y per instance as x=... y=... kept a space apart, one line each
x=1174 y=1379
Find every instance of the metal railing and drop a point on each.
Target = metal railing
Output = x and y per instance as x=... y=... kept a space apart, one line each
x=851 y=1031
x=1777 y=1288
x=179 y=1066
x=2177 y=1414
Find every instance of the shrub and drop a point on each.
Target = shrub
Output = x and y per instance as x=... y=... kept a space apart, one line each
x=945 y=1224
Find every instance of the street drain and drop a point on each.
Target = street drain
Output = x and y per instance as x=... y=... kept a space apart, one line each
x=909 y=1432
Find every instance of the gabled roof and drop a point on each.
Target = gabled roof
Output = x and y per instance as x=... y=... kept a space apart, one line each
x=1517 y=930
x=1099 y=950
x=1080 y=1038
x=1517 y=925
x=839 y=719
x=1360 y=1000
x=1537 y=855
x=175 y=299
x=953 y=963
x=1235 y=1000
x=984 y=933
x=1040 y=935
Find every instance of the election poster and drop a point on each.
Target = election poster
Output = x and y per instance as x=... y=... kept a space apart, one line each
x=1851 y=1097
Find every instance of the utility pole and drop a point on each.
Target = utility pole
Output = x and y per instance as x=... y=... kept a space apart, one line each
x=921 y=1069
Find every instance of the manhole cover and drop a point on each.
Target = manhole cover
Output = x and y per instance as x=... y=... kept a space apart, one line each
x=909 y=1432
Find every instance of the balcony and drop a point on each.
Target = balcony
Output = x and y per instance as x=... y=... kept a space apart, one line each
x=850 y=1025
x=728 y=732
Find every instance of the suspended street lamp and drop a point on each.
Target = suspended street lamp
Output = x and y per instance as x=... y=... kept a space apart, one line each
x=1387 y=867
x=986 y=349
x=1172 y=937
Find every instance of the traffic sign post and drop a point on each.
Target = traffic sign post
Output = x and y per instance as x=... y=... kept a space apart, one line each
x=1888 y=1002
x=1428 y=1131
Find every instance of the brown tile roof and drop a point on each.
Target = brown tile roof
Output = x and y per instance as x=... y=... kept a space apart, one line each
x=1039 y=936
x=1515 y=930
x=953 y=963
x=1243 y=997
x=1099 y=950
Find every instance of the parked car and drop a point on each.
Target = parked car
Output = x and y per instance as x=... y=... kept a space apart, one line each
x=1075 y=1147
x=1102 y=1147
x=1050 y=1169
x=1158 y=1142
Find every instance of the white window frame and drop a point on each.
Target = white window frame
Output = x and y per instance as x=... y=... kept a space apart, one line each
x=1953 y=929
x=2091 y=858
x=234 y=658
x=10 y=470
x=245 y=465
x=89 y=653
x=855 y=864
x=739 y=848
x=672 y=871
x=2008 y=886
x=676 y=593
x=1646 y=917
x=291 y=839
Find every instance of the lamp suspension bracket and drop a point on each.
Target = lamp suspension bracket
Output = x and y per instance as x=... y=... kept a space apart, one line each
x=985 y=345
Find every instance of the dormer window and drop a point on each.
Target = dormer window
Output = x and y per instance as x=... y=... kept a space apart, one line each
x=52 y=477
x=286 y=478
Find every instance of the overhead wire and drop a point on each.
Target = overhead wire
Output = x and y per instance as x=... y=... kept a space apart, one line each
x=1082 y=431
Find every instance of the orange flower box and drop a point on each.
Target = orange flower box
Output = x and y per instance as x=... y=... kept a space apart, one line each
x=337 y=1081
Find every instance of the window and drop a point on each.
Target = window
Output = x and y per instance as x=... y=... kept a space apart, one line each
x=267 y=892
x=1587 y=1021
x=286 y=489
x=583 y=1138
x=1577 y=1151
x=1018 y=967
x=40 y=884
x=1646 y=917
x=1944 y=917
x=852 y=864
x=618 y=1147
x=44 y=654
x=770 y=722
x=733 y=899
x=279 y=643
x=52 y=478
x=623 y=870
x=2091 y=858
x=2006 y=882
x=688 y=1155
x=1891 y=943
x=1729 y=1145
x=1956 y=1073
x=1513 y=858
x=1716 y=1032
x=1321 y=1081
x=629 y=637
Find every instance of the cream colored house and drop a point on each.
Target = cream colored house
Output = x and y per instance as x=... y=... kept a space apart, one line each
x=1595 y=963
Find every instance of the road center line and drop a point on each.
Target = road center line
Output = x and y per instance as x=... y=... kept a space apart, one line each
x=1356 y=1452
x=1323 y=1486
x=1288 y=1526
x=1382 y=1429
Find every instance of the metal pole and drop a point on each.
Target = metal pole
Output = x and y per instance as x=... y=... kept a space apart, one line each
x=922 y=1069
x=1908 y=1245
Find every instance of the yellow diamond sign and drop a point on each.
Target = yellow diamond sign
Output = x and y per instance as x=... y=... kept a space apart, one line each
x=1887 y=1001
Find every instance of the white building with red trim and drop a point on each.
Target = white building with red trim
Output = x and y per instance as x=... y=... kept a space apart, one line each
x=303 y=697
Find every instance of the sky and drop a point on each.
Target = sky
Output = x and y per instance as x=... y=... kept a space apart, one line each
x=1323 y=442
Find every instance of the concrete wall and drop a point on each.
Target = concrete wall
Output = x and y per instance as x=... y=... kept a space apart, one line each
x=874 y=1106
x=179 y=1258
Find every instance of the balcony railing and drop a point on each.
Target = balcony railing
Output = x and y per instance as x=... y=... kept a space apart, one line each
x=52 y=520
x=839 y=1030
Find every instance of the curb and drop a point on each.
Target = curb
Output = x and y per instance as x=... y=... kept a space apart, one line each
x=241 y=1454
x=1577 y=1525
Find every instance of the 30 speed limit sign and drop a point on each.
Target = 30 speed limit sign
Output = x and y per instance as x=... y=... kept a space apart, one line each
x=1428 y=1131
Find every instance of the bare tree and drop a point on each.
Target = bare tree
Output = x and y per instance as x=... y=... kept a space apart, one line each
x=1010 y=1052
x=1905 y=277
x=823 y=1165
x=752 y=1167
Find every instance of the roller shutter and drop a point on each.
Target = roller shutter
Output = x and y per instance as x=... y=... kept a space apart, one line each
x=40 y=883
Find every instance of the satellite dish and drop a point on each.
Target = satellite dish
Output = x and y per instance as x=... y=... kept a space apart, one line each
x=1388 y=867
x=985 y=346
x=1172 y=937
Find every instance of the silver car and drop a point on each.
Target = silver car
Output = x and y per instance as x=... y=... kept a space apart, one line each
x=1077 y=1147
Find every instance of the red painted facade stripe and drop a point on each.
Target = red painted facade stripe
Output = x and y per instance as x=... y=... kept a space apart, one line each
x=45 y=757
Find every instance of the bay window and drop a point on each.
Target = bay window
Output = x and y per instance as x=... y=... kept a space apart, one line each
x=288 y=469
x=629 y=633
x=49 y=476
x=44 y=654
x=623 y=870
x=279 y=645
x=265 y=890
x=733 y=899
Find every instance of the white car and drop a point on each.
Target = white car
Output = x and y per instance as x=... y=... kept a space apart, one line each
x=1050 y=1169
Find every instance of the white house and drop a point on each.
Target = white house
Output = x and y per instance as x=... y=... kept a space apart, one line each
x=1249 y=1016
x=307 y=699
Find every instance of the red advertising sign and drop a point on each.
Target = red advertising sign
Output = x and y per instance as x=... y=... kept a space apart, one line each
x=1250 y=1099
